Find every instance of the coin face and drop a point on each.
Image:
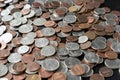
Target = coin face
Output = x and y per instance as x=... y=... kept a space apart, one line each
x=3 y=70
x=59 y=76
x=48 y=31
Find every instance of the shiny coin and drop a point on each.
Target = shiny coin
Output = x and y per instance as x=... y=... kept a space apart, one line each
x=78 y=69
x=6 y=37
x=48 y=31
x=97 y=77
x=5 y=12
x=27 y=40
x=23 y=49
x=72 y=46
x=82 y=39
x=39 y=21
x=48 y=51
x=59 y=76
x=106 y=72
x=31 y=34
x=70 y=62
x=69 y=19
x=33 y=77
x=41 y=42
x=31 y=14
x=15 y=22
x=17 y=15
x=3 y=70
x=50 y=64
x=14 y=58
x=113 y=64
x=75 y=53
x=7 y=18
x=3 y=78
x=25 y=28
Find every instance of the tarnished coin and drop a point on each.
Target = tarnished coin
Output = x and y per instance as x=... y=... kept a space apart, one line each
x=48 y=31
x=78 y=69
x=3 y=70
x=50 y=64
x=25 y=28
x=6 y=37
x=33 y=66
x=97 y=77
x=14 y=58
x=106 y=72
x=111 y=55
x=113 y=64
x=69 y=62
x=85 y=45
x=48 y=51
x=33 y=77
x=59 y=76
x=72 y=46
x=23 y=49
x=41 y=42
x=39 y=21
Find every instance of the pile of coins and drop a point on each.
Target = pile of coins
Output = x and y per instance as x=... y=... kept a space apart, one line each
x=58 y=40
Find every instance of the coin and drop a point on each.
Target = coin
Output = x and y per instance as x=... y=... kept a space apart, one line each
x=48 y=31
x=82 y=39
x=78 y=69
x=25 y=28
x=33 y=66
x=72 y=46
x=111 y=55
x=106 y=72
x=33 y=77
x=23 y=49
x=3 y=70
x=6 y=37
x=39 y=21
x=97 y=77
x=50 y=64
x=59 y=76
x=69 y=18
x=48 y=51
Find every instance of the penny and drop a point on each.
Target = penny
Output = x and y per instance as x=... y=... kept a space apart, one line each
x=49 y=23
x=97 y=77
x=66 y=29
x=4 y=53
x=91 y=35
x=59 y=76
x=27 y=58
x=45 y=74
x=9 y=76
x=19 y=67
x=33 y=77
x=84 y=26
x=111 y=55
x=106 y=72
x=78 y=69
x=71 y=38
x=46 y=15
x=85 y=45
x=82 y=19
x=33 y=66
x=19 y=77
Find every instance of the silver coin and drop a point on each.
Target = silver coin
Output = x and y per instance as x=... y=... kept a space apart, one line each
x=29 y=72
x=99 y=11
x=90 y=73
x=55 y=18
x=3 y=70
x=54 y=43
x=80 y=33
x=41 y=42
x=24 y=20
x=63 y=68
x=31 y=14
x=16 y=22
x=72 y=46
x=70 y=76
x=62 y=51
x=117 y=28
x=14 y=58
x=111 y=22
x=113 y=64
x=76 y=53
x=62 y=58
x=87 y=68
x=17 y=15
x=26 y=28
x=11 y=70
x=38 y=12
x=4 y=27
x=23 y=49
x=27 y=40
x=62 y=35
x=7 y=1
x=101 y=38
x=48 y=51
x=4 y=78
x=69 y=62
x=69 y=19
x=61 y=24
x=91 y=57
x=10 y=7
x=1 y=30
x=51 y=64
x=39 y=21
x=82 y=39
x=5 y=12
x=110 y=16
x=48 y=31
x=27 y=6
x=7 y=18
x=115 y=46
x=31 y=34
x=6 y=37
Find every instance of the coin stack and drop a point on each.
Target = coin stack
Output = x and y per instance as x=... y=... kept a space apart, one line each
x=58 y=40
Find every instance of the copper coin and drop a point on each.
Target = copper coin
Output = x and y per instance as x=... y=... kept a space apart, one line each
x=4 y=53
x=97 y=77
x=66 y=29
x=33 y=66
x=58 y=39
x=19 y=76
x=3 y=61
x=45 y=74
x=25 y=11
x=109 y=29
x=98 y=28
x=27 y=58
x=85 y=45
x=106 y=72
x=60 y=12
x=84 y=26
x=78 y=2
x=33 y=77
x=78 y=69
x=9 y=76
x=46 y=15
x=82 y=19
x=61 y=45
x=100 y=54
x=2 y=45
x=100 y=33
x=71 y=38
x=55 y=4
x=91 y=35
x=19 y=67
x=49 y=23
x=59 y=76
x=36 y=4
x=111 y=55
x=90 y=19
x=116 y=12
x=52 y=38
x=76 y=27
x=107 y=9
x=57 y=29
x=39 y=33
